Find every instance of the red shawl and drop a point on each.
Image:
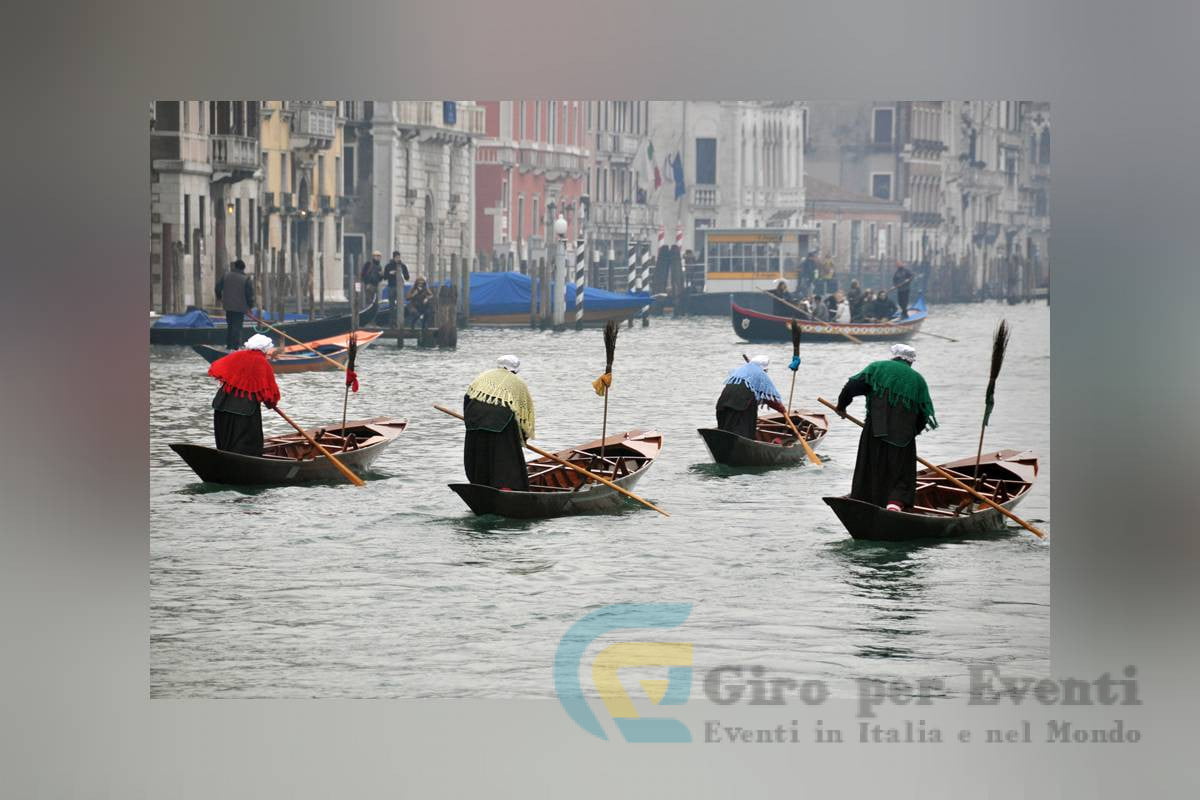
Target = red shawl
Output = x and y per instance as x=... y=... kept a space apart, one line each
x=247 y=373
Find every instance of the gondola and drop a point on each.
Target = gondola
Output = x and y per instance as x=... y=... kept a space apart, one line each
x=305 y=330
x=556 y=490
x=301 y=358
x=758 y=326
x=773 y=445
x=289 y=459
x=940 y=511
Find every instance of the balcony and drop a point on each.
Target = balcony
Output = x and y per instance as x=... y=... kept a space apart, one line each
x=704 y=195
x=554 y=164
x=470 y=119
x=174 y=146
x=925 y=219
x=617 y=147
x=236 y=154
x=313 y=124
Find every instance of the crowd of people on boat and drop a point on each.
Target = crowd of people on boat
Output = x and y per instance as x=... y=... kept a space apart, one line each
x=818 y=298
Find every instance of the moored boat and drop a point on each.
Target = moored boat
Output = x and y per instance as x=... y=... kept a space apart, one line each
x=773 y=445
x=300 y=357
x=168 y=330
x=556 y=490
x=290 y=459
x=759 y=326
x=502 y=300
x=942 y=510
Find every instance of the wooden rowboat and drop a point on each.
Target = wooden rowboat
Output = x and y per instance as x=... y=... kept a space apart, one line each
x=301 y=358
x=773 y=444
x=939 y=513
x=289 y=459
x=556 y=490
x=758 y=326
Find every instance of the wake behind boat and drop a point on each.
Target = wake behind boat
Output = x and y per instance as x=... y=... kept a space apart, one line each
x=556 y=490
x=759 y=326
x=773 y=445
x=939 y=512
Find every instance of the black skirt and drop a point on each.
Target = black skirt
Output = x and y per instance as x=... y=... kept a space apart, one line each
x=493 y=453
x=885 y=473
x=737 y=410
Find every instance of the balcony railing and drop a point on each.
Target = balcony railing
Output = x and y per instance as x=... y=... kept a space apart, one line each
x=705 y=196
x=313 y=124
x=234 y=152
x=469 y=119
x=178 y=146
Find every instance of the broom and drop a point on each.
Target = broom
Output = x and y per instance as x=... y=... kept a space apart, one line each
x=999 y=346
x=352 y=351
x=611 y=329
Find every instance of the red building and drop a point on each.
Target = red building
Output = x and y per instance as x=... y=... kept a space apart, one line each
x=531 y=164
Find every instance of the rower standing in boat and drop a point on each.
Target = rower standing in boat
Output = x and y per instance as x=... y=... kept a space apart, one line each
x=902 y=280
x=498 y=412
x=246 y=380
x=898 y=408
x=746 y=388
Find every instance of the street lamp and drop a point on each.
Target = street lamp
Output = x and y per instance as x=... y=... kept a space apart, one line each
x=560 y=273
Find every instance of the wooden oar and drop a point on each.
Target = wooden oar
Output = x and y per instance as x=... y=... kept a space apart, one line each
x=955 y=481
x=350 y=476
x=575 y=467
x=297 y=341
x=936 y=335
x=851 y=337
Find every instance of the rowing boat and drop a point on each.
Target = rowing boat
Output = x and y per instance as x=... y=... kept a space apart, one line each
x=300 y=357
x=758 y=326
x=164 y=332
x=773 y=444
x=290 y=459
x=556 y=490
x=942 y=510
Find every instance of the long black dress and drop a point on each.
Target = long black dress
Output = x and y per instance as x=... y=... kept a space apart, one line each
x=237 y=424
x=737 y=410
x=493 y=453
x=886 y=467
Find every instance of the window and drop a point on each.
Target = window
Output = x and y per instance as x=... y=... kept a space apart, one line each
x=337 y=235
x=266 y=159
x=321 y=174
x=872 y=242
x=166 y=115
x=201 y=205
x=833 y=238
x=706 y=161
x=881 y=185
x=887 y=241
x=881 y=131
x=187 y=223
x=1010 y=170
x=1044 y=150
x=536 y=225
x=521 y=212
x=537 y=120
x=237 y=228
x=253 y=226
x=521 y=122
x=284 y=176
x=1041 y=207
x=504 y=193
x=348 y=170
x=551 y=117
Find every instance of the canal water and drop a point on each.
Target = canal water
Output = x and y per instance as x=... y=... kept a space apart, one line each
x=397 y=590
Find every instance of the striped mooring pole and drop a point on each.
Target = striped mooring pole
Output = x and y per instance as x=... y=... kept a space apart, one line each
x=631 y=274
x=643 y=285
x=580 y=279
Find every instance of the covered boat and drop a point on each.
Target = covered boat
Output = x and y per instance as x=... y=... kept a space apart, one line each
x=758 y=326
x=556 y=490
x=943 y=510
x=501 y=299
x=196 y=327
x=290 y=459
x=773 y=444
x=300 y=357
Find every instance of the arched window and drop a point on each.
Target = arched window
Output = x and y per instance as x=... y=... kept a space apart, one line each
x=1044 y=154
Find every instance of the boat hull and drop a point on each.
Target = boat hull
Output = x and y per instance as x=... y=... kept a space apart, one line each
x=298 y=359
x=866 y=521
x=733 y=450
x=304 y=330
x=595 y=498
x=757 y=326
x=218 y=466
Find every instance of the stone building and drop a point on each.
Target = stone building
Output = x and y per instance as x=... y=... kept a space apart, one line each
x=204 y=197
x=408 y=178
x=529 y=168
x=743 y=164
x=853 y=228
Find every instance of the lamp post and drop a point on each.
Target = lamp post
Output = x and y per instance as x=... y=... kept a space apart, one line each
x=558 y=301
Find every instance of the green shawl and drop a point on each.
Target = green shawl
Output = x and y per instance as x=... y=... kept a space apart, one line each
x=903 y=384
x=501 y=387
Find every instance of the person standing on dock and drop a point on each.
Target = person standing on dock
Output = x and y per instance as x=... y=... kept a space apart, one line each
x=498 y=412
x=898 y=409
x=395 y=272
x=246 y=381
x=372 y=274
x=746 y=388
x=235 y=293
x=902 y=280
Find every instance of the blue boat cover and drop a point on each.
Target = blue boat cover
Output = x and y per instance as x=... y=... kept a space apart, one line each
x=192 y=319
x=508 y=293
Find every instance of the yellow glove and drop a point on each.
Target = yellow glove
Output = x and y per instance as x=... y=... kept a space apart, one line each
x=602 y=383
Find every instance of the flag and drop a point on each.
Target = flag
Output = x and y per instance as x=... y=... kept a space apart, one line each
x=642 y=163
x=657 y=176
x=677 y=172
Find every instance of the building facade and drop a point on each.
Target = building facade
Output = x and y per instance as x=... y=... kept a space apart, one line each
x=742 y=164
x=408 y=178
x=530 y=168
x=853 y=228
x=204 y=197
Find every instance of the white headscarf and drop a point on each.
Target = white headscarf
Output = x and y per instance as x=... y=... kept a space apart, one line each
x=510 y=363
x=762 y=361
x=259 y=342
x=905 y=352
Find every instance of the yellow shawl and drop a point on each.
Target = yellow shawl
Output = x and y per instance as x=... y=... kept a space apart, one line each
x=502 y=387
